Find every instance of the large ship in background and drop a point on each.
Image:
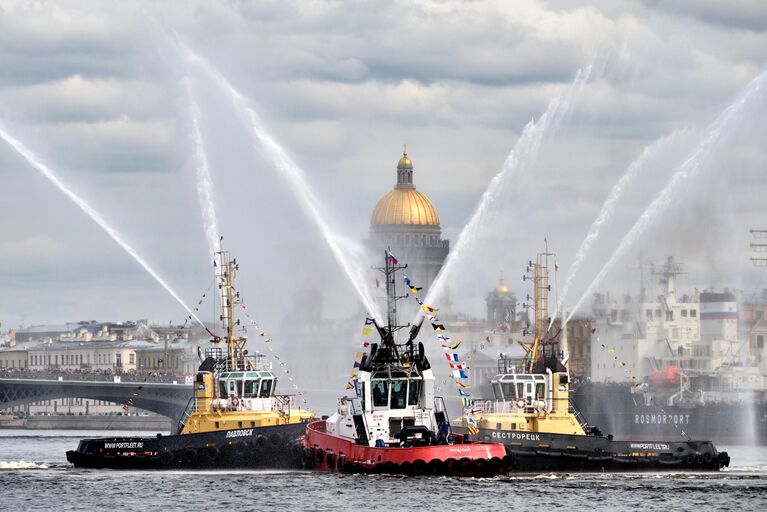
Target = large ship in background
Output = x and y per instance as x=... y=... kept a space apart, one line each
x=698 y=372
x=234 y=420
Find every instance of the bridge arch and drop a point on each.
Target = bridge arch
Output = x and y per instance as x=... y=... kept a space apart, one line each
x=162 y=398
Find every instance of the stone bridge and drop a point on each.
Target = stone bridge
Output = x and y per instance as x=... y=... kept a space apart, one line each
x=167 y=399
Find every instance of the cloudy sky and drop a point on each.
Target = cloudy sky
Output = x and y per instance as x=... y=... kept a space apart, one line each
x=96 y=91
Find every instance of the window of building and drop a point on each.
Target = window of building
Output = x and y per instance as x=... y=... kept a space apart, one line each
x=648 y=314
x=760 y=341
x=684 y=313
x=693 y=313
x=132 y=358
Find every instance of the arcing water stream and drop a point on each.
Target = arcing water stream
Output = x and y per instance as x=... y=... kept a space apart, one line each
x=717 y=133
x=647 y=155
x=349 y=255
x=523 y=154
x=204 y=181
x=35 y=162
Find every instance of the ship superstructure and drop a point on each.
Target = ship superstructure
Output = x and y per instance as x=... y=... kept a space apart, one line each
x=235 y=418
x=394 y=423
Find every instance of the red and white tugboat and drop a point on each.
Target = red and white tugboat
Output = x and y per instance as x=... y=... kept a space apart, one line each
x=394 y=423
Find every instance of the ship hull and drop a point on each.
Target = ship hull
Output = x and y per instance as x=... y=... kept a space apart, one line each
x=615 y=410
x=264 y=447
x=536 y=451
x=327 y=452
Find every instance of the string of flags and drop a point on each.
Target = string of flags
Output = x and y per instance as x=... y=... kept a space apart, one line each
x=135 y=393
x=611 y=351
x=366 y=330
x=280 y=361
x=458 y=365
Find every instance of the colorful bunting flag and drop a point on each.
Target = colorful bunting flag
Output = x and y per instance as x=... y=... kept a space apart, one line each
x=460 y=374
x=471 y=424
x=438 y=327
x=462 y=385
x=366 y=330
x=369 y=321
x=429 y=309
x=463 y=393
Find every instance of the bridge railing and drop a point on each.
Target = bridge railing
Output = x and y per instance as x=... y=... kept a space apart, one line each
x=92 y=376
x=191 y=407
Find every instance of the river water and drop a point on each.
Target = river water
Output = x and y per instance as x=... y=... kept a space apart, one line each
x=34 y=475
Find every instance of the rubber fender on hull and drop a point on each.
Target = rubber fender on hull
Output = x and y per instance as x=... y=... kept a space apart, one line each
x=320 y=455
x=190 y=457
x=435 y=467
x=167 y=459
x=276 y=440
x=240 y=448
x=707 y=458
x=330 y=460
x=406 y=468
x=451 y=466
x=308 y=458
x=341 y=462
x=419 y=467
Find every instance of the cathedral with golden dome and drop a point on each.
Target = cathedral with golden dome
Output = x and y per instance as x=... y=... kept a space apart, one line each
x=406 y=221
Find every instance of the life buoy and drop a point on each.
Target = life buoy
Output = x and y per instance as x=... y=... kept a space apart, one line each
x=235 y=402
x=521 y=403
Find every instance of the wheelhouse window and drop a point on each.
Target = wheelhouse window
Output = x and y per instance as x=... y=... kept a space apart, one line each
x=251 y=389
x=398 y=394
x=380 y=389
x=414 y=392
x=497 y=391
x=266 y=388
x=222 y=389
x=508 y=390
x=540 y=391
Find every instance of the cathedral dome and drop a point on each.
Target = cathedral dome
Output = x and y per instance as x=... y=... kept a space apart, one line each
x=405 y=205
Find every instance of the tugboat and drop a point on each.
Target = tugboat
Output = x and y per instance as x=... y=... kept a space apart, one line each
x=234 y=419
x=394 y=423
x=532 y=414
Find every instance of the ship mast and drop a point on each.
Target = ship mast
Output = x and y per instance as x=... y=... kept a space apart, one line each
x=225 y=274
x=389 y=344
x=538 y=273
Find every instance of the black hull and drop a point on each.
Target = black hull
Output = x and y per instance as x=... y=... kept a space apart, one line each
x=266 y=447
x=615 y=410
x=536 y=452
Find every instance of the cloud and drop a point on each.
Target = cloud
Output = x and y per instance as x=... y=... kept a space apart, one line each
x=94 y=89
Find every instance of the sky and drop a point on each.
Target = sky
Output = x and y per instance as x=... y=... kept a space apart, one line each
x=96 y=90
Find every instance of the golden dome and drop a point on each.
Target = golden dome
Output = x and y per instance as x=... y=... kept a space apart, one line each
x=405 y=206
x=405 y=161
x=502 y=288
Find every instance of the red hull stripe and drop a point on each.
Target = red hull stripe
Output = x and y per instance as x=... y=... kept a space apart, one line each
x=369 y=456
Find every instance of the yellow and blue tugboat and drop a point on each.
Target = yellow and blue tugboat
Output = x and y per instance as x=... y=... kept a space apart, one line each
x=234 y=419
x=531 y=413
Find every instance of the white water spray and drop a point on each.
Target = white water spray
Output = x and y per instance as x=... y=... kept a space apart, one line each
x=204 y=181
x=688 y=170
x=35 y=162
x=608 y=208
x=345 y=251
x=523 y=154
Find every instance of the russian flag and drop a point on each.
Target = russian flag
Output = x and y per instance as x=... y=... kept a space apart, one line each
x=392 y=259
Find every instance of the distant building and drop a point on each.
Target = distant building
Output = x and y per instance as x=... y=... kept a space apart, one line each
x=406 y=221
